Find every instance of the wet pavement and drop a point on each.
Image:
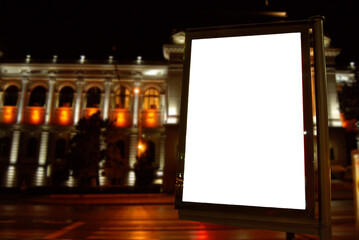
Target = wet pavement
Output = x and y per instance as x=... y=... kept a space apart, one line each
x=132 y=217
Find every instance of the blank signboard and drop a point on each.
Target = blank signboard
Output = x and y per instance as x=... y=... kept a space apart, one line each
x=245 y=132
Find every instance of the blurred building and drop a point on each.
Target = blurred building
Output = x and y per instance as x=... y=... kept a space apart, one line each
x=341 y=139
x=40 y=104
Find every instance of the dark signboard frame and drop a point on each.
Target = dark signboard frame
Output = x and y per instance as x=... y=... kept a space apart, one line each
x=282 y=219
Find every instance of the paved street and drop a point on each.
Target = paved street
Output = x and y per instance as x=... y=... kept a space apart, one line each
x=131 y=217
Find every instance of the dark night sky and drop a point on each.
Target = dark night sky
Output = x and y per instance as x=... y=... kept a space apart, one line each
x=126 y=29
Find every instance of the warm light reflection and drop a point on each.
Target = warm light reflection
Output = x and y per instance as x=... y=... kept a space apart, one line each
x=9 y=114
x=35 y=115
x=202 y=234
x=91 y=111
x=64 y=116
x=348 y=125
x=151 y=118
x=136 y=90
x=141 y=148
x=122 y=117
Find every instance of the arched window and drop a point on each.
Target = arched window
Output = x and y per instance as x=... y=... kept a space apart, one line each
x=31 y=149
x=38 y=96
x=60 y=148
x=93 y=97
x=10 y=96
x=121 y=146
x=4 y=147
x=151 y=99
x=122 y=98
x=66 y=97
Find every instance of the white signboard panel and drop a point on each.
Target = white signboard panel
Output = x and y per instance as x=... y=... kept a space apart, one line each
x=245 y=135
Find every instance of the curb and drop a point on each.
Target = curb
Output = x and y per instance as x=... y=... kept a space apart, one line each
x=102 y=199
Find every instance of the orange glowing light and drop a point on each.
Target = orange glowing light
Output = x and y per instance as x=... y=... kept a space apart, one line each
x=141 y=147
x=35 y=116
x=64 y=117
x=9 y=114
x=151 y=118
x=122 y=117
x=202 y=234
x=121 y=120
x=91 y=111
x=136 y=90
x=348 y=125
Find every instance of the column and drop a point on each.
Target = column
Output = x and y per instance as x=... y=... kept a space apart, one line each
x=135 y=109
x=136 y=102
x=14 y=151
x=77 y=113
x=40 y=174
x=10 y=178
x=163 y=108
x=50 y=95
x=131 y=178
x=20 y=112
x=161 y=158
x=11 y=173
x=106 y=104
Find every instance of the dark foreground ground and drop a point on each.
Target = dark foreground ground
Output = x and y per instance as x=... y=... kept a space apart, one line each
x=135 y=216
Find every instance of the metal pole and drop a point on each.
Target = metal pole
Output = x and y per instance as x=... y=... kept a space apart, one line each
x=324 y=191
x=355 y=164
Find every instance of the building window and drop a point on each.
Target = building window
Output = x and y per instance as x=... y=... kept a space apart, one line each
x=31 y=150
x=38 y=96
x=93 y=97
x=122 y=98
x=60 y=148
x=66 y=97
x=151 y=99
x=4 y=147
x=10 y=96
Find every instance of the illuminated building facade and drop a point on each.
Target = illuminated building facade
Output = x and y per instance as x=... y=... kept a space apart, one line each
x=41 y=103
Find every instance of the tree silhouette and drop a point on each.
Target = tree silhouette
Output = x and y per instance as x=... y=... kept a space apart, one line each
x=86 y=149
x=348 y=95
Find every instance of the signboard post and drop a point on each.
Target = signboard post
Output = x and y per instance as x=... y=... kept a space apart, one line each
x=324 y=189
x=355 y=164
x=246 y=144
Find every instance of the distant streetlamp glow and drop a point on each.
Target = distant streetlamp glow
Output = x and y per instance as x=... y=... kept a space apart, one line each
x=139 y=59
x=141 y=147
x=82 y=58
